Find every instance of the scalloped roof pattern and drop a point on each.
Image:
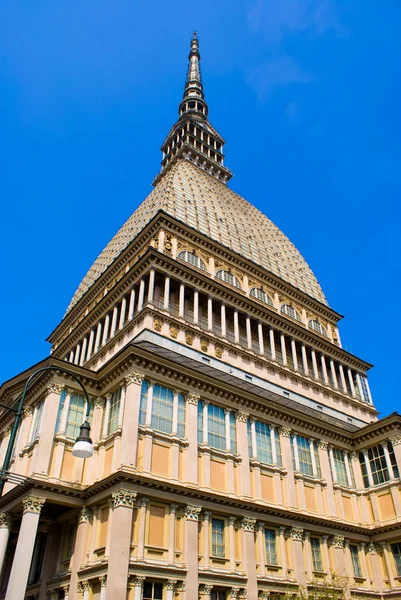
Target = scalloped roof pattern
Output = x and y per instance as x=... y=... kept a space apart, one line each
x=201 y=201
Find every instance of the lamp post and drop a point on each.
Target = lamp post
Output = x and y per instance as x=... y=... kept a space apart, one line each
x=83 y=447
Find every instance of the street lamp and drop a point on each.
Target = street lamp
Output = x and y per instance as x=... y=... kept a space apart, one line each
x=83 y=447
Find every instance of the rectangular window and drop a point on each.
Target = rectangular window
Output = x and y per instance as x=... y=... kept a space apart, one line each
x=356 y=565
x=162 y=409
x=37 y=421
x=200 y=422
x=233 y=434
x=339 y=463
x=216 y=427
x=316 y=555
x=218 y=595
x=218 y=538
x=152 y=590
x=378 y=464
x=144 y=402
x=364 y=386
x=396 y=550
x=76 y=415
x=305 y=450
x=114 y=411
x=270 y=542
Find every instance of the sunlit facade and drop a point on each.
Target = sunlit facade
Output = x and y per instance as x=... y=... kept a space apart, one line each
x=237 y=449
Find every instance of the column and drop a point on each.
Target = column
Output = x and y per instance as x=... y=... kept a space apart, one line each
x=227 y=427
x=294 y=354
x=138 y=586
x=5 y=525
x=129 y=436
x=260 y=338
x=171 y=536
x=368 y=469
x=325 y=553
x=314 y=365
x=324 y=459
x=338 y=545
x=170 y=587
x=83 y=353
x=304 y=359
x=387 y=560
x=342 y=378
x=166 y=297
x=106 y=329
x=191 y=432
x=81 y=537
x=285 y=435
x=348 y=469
x=396 y=443
x=114 y=321
x=141 y=294
x=66 y=591
x=313 y=458
x=91 y=342
x=131 y=308
x=243 y=451
x=308 y=554
x=151 y=291
x=103 y=584
x=388 y=461
x=191 y=549
x=359 y=384
x=71 y=357
x=77 y=354
x=66 y=410
x=43 y=453
x=181 y=302
x=248 y=332
x=122 y=313
x=248 y=544
x=375 y=566
x=283 y=550
x=272 y=343
x=351 y=382
x=296 y=455
x=298 y=555
x=324 y=369
x=223 y=321
x=205 y=436
x=283 y=349
x=231 y=541
x=143 y=503
x=236 y=327
x=32 y=506
x=98 y=336
x=196 y=307
x=260 y=528
x=364 y=563
x=206 y=537
x=149 y=405
x=120 y=542
x=210 y=313
x=333 y=374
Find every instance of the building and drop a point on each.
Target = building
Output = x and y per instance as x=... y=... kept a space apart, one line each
x=238 y=453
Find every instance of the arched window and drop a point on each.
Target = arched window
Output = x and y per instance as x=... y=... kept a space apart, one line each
x=192 y=259
x=290 y=311
x=261 y=295
x=228 y=277
x=314 y=324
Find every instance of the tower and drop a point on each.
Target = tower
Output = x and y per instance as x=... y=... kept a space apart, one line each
x=238 y=452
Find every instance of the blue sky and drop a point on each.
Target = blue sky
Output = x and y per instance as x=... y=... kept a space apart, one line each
x=306 y=93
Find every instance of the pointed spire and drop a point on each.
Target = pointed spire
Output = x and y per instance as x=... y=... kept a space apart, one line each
x=192 y=137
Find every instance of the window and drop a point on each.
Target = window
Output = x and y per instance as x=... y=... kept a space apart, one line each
x=263 y=437
x=218 y=595
x=303 y=459
x=218 y=538
x=261 y=295
x=317 y=326
x=114 y=411
x=290 y=311
x=378 y=464
x=216 y=423
x=228 y=277
x=316 y=554
x=270 y=542
x=37 y=419
x=364 y=386
x=192 y=259
x=152 y=590
x=76 y=414
x=340 y=468
x=396 y=550
x=356 y=565
x=163 y=400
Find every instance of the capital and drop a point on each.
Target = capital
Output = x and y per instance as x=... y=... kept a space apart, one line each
x=207 y=589
x=84 y=515
x=123 y=498
x=32 y=504
x=206 y=515
x=371 y=548
x=260 y=526
x=139 y=581
x=354 y=456
x=296 y=533
x=144 y=501
x=323 y=444
x=285 y=431
x=54 y=388
x=192 y=512
x=99 y=402
x=173 y=508
x=103 y=580
x=231 y=520
x=338 y=541
x=171 y=583
x=242 y=416
x=396 y=439
x=5 y=521
x=192 y=398
x=134 y=377
x=234 y=592
x=248 y=524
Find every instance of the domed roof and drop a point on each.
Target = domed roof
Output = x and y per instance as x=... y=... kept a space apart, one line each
x=201 y=201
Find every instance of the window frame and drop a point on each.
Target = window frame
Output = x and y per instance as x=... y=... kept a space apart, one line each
x=289 y=311
x=218 y=545
x=198 y=263
x=316 y=552
x=228 y=277
x=261 y=295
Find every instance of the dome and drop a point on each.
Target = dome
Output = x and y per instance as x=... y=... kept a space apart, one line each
x=202 y=202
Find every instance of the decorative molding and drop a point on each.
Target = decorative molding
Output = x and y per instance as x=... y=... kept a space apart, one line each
x=260 y=526
x=242 y=416
x=323 y=444
x=285 y=431
x=5 y=521
x=134 y=377
x=248 y=524
x=27 y=411
x=354 y=456
x=243 y=594
x=139 y=581
x=173 y=508
x=55 y=388
x=338 y=541
x=207 y=589
x=192 y=398
x=170 y=584
x=234 y=592
x=99 y=402
x=84 y=515
x=206 y=515
x=192 y=512
x=103 y=580
x=232 y=520
x=396 y=439
x=371 y=548
x=143 y=502
x=123 y=498
x=32 y=504
x=297 y=533
x=282 y=530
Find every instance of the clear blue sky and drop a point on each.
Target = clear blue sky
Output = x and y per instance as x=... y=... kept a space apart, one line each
x=306 y=93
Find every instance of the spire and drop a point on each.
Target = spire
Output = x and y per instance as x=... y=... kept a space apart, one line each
x=193 y=137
